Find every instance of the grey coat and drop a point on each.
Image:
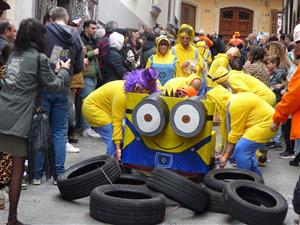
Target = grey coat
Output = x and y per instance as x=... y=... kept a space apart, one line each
x=19 y=90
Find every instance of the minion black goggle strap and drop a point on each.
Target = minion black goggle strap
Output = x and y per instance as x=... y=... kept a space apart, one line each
x=187 y=118
x=216 y=78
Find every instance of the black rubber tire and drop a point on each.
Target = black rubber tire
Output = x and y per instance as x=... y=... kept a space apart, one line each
x=216 y=179
x=130 y=179
x=215 y=200
x=127 y=205
x=243 y=200
x=80 y=179
x=179 y=189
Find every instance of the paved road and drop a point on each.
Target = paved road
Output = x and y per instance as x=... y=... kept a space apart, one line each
x=41 y=205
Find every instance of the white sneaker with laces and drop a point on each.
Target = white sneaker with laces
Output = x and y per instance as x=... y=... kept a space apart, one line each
x=36 y=182
x=71 y=149
x=89 y=132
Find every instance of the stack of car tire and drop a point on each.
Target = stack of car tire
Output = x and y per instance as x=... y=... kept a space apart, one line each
x=117 y=198
x=243 y=195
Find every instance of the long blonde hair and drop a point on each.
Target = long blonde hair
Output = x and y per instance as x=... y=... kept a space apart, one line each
x=277 y=48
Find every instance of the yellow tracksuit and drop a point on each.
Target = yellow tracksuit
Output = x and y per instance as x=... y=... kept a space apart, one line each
x=106 y=105
x=240 y=82
x=184 y=55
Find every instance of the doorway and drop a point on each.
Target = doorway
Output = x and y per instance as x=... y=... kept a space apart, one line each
x=234 y=19
x=188 y=14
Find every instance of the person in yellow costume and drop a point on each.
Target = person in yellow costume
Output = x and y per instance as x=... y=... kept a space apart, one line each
x=104 y=109
x=193 y=80
x=221 y=60
x=204 y=51
x=237 y=81
x=163 y=61
x=248 y=119
x=190 y=60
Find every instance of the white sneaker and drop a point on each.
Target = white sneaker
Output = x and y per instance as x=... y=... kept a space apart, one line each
x=89 y=132
x=71 y=149
x=36 y=182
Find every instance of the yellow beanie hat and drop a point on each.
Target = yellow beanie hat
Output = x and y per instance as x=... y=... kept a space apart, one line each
x=220 y=75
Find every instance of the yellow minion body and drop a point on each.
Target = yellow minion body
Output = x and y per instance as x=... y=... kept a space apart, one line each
x=167 y=149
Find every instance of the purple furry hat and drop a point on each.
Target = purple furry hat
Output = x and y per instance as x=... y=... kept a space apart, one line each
x=141 y=81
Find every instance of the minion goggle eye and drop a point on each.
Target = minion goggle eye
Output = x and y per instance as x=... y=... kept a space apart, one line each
x=188 y=117
x=150 y=116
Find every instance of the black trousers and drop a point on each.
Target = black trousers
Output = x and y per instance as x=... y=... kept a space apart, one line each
x=286 y=130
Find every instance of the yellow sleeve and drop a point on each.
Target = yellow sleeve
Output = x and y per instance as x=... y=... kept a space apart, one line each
x=200 y=64
x=238 y=117
x=148 y=63
x=118 y=112
x=178 y=70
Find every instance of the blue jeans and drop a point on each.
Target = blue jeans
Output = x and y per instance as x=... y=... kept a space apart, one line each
x=277 y=137
x=71 y=112
x=106 y=134
x=244 y=155
x=297 y=146
x=56 y=105
x=90 y=85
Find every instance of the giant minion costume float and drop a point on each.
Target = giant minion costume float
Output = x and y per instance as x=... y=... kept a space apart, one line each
x=168 y=132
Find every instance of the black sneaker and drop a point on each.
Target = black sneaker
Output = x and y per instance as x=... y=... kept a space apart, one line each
x=274 y=146
x=286 y=155
x=293 y=163
x=270 y=144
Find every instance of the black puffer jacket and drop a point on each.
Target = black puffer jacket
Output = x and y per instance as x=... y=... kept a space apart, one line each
x=149 y=49
x=114 y=68
x=296 y=198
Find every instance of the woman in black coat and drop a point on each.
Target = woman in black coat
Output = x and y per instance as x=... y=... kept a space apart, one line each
x=17 y=98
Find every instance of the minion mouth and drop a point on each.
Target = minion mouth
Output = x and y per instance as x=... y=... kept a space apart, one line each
x=168 y=148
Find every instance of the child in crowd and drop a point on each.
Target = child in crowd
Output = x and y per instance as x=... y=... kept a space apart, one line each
x=277 y=85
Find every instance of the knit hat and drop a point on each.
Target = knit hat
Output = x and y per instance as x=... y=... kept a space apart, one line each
x=297 y=33
x=220 y=76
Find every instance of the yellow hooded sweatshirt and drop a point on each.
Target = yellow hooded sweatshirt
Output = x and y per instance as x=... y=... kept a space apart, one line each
x=165 y=65
x=220 y=60
x=106 y=105
x=241 y=82
x=247 y=115
x=178 y=82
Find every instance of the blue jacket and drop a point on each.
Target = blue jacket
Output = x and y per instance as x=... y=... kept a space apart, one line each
x=296 y=198
x=65 y=37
